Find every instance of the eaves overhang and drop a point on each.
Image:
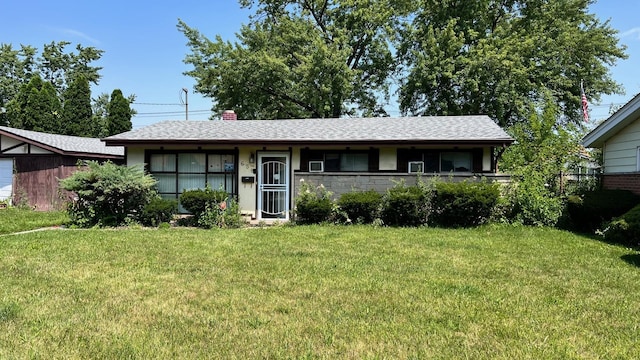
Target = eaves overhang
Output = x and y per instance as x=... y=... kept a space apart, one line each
x=626 y=115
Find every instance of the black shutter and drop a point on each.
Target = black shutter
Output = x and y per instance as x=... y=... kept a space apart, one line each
x=477 y=160
x=304 y=159
x=374 y=160
x=403 y=160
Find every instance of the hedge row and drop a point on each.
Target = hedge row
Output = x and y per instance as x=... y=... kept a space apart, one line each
x=462 y=204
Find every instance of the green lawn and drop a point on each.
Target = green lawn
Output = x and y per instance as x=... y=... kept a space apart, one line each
x=15 y=219
x=317 y=292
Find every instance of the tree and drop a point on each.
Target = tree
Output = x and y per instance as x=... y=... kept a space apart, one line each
x=60 y=67
x=543 y=149
x=300 y=59
x=99 y=109
x=56 y=66
x=76 y=111
x=36 y=107
x=497 y=57
x=118 y=114
x=16 y=69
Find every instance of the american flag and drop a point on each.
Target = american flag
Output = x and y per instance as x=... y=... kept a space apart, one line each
x=585 y=104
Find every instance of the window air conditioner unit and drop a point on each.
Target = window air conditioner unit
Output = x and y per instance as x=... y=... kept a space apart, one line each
x=316 y=166
x=416 y=167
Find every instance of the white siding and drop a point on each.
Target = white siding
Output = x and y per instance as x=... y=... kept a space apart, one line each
x=6 y=178
x=247 y=191
x=38 y=150
x=621 y=151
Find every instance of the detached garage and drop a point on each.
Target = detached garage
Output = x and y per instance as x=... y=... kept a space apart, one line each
x=31 y=164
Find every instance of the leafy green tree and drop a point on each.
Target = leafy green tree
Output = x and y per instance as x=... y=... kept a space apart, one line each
x=118 y=114
x=99 y=109
x=495 y=57
x=60 y=67
x=301 y=59
x=542 y=150
x=76 y=110
x=36 y=107
x=56 y=66
x=16 y=68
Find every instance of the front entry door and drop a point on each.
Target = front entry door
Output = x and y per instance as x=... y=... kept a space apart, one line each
x=273 y=186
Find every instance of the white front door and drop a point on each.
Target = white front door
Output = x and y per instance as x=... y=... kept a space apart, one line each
x=6 y=178
x=273 y=186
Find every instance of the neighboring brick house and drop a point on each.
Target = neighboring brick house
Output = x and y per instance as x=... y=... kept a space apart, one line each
x=263 y=161
x=32 y=163
x=619 y=139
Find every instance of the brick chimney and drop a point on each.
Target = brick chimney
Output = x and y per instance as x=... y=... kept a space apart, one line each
x=229 y=115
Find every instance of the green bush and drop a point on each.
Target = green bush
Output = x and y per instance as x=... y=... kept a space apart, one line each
x=625 y=230
x=108 y=194
x=313 y=205
x=464 y=204
x=159 y=211
x=532 y=203
x=404 y=205
x=225 y=215
x=361 y=206
x=196 y=201
x=591 y=210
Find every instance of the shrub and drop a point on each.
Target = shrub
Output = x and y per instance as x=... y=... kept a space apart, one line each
x=625 y=230
x=108 y=194
x=532 y=203
x=404 y=205
x=594 y=208
x=196 y=201
x=361 y=206
x=225 y=214
x=159 y=211
x=313 y=204
x=464 y=204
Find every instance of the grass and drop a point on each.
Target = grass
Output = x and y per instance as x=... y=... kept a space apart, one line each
x=317 y=292
x=15 y=219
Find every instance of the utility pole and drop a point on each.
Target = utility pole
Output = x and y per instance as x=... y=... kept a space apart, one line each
x=185 y=102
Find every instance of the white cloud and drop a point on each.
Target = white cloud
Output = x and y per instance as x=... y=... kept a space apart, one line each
x=79 y=34
x=634 y=33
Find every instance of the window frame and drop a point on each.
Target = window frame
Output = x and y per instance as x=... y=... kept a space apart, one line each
x=308 y=156
x=229 y=176
x=432 y=160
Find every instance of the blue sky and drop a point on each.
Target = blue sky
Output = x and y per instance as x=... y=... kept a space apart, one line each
x=144 y=51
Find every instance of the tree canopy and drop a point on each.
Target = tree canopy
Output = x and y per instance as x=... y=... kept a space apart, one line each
x=51 y=91
x=497 y=57
x=76 y=109
x=36 y=107
x=118 y=114
x=332 y=58
x=301 y=59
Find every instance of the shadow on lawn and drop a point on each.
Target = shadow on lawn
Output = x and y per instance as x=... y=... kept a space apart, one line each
x=633 y=259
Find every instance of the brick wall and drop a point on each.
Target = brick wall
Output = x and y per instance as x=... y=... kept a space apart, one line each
x=630 y=181
x=340 y=183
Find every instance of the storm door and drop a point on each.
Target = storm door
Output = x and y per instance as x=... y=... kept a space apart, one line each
x=273 y=186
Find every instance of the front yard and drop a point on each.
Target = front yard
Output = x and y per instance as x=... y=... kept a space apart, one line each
x=328 y=292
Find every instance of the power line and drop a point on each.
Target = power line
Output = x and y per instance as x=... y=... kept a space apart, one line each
x=166 y=113
x=157 y=104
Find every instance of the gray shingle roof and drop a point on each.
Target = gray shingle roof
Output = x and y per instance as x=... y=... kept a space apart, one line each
x=349 y=130
x=64 y=144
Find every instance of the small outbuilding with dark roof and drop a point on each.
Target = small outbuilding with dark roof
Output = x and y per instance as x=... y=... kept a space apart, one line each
x=263 y=161
x=31 y=164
